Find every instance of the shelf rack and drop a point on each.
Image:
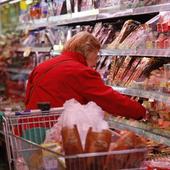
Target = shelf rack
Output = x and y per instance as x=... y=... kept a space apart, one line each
x=92 y=15
x=16 y=70
x=35 y=49
x=113 y=52
x=142 y=129
x=154 y=95
x=136 y=52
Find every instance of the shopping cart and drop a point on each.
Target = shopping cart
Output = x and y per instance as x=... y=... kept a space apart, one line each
x=25 y=132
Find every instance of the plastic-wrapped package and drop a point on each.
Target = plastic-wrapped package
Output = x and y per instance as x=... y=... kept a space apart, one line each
x=86 y=5
x=159 y=164
x=135 y=39
x=127 y=140
x=122 y=70
x=53 y=135
x=125 y=69
x=57 y=6
x=167 y=77
x=97 y=142
x=103 y=66
x=97 y=29
x=108 y=3
x=127 y=28
x=139 y=70
x=83 y=116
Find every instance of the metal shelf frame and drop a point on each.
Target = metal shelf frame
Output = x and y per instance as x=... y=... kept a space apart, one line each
x=148 y=132
x=92 y=15
x=154 y=95
x=136 y=52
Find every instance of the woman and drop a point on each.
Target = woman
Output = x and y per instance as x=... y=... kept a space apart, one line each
x=71 y=75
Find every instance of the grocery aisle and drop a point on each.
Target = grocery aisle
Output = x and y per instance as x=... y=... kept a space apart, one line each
x=134 y=60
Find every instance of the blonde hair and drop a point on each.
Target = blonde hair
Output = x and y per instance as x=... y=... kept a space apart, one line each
x=83 y=42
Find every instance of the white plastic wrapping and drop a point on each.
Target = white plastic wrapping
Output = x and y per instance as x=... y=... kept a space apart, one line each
x=84 y=116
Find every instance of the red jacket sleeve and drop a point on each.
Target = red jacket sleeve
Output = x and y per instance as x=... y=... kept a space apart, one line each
x=92 y=88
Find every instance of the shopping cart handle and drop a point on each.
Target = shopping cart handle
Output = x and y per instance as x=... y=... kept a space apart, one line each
x=44 y=106
x=52 y=110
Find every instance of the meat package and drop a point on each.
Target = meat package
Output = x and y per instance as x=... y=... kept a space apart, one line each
x=127 y=28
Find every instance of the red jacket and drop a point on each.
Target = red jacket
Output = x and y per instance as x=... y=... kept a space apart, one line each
x=68 y=76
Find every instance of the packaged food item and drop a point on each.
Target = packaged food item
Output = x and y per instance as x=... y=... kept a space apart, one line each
x=86 y=5
x=123 y=160
x=72 y=146
x=97 y=142
x=35 y=160
x=71 y=141
x=167 y=77
x=52 y=161
x=160 y=42
x=59 y=7
x=160 y=164
x=44 y=9
x=128 y=27
x=164 y=22
x=35 y=11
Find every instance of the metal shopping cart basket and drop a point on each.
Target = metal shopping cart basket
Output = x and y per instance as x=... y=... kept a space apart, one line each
x=25 y=132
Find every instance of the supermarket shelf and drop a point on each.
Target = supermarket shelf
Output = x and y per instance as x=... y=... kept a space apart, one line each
x=159 y=96
x=35 y=49
x=114 y=13
x=136 y=52
x=92 y=15
x=16 y=70
x=140 y=128
x=114 y=52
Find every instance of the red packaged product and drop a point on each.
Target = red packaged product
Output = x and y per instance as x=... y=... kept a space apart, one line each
x=158 y=165
x=164 y=27
x=159 y=27
x=167 y=43
x=169 y=26
x=160 y=41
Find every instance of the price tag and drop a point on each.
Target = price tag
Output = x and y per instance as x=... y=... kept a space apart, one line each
x=27 y=51
x=58 y=47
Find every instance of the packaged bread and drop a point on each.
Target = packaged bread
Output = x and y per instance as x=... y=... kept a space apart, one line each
x=71 y=141
x=97 y=142
x=72 y=146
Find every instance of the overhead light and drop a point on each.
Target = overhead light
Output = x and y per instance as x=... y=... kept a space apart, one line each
x=14 y=1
